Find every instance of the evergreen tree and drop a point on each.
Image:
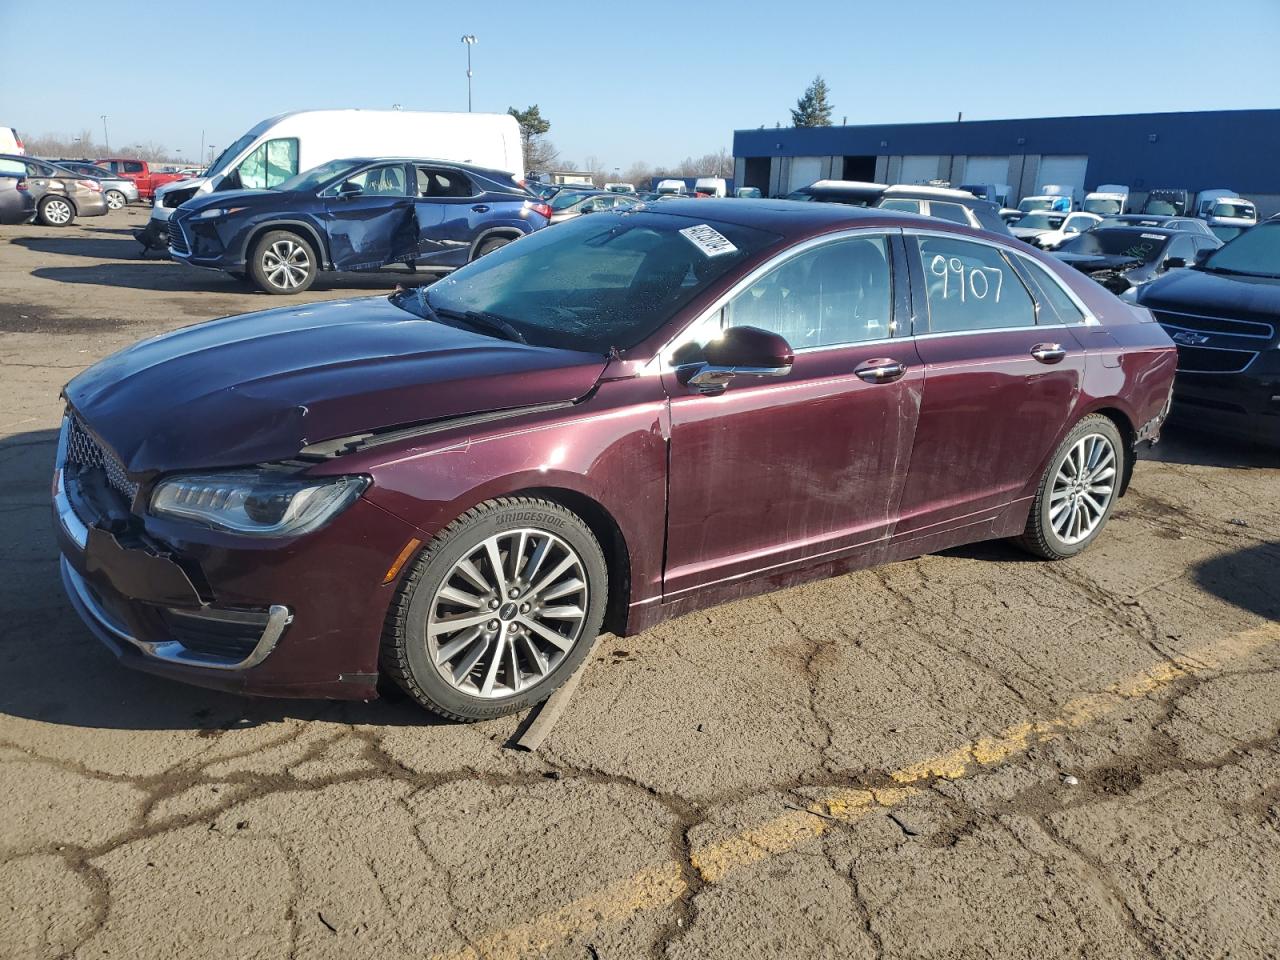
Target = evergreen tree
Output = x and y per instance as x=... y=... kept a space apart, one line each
x=812 y=109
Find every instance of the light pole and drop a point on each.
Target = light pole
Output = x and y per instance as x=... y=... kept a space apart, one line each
x=211 y=149
x=470 y=40
x=105 y=136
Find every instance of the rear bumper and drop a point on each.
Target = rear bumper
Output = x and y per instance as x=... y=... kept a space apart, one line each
x=95 y=206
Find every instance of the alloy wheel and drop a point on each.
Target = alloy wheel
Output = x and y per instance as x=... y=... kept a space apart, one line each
x=507 y=613
x=1083 y=488
x=57 y=212
x=286 y=264
x=115 y=199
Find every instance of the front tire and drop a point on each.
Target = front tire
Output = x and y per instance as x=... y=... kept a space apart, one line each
x=116 y=200
x=498 y=611
x=55 y=212
x=1078 y=490
x=283 y=263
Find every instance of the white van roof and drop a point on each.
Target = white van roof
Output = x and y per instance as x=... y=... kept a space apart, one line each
x=939 y=192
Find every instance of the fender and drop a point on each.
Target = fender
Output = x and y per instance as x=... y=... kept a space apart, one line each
x=318 y=241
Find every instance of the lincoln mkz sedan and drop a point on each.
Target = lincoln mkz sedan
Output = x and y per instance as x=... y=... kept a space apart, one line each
x=622 y=418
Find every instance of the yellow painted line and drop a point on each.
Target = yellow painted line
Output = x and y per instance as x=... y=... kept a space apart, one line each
x=661 y=886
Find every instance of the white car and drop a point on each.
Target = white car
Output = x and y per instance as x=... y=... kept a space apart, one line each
x=1035 y=222
x=1078 y=222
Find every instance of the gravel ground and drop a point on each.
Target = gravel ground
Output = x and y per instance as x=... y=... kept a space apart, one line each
x=965 y=755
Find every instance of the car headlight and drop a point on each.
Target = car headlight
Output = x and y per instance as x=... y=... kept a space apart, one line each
x=256 y=503
x=1129 y=295
x=214 y=212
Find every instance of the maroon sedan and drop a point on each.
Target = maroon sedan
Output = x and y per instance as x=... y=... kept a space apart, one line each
x=617 y=420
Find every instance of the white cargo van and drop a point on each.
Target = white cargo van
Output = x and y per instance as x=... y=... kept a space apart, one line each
x=711 y=186
x=277 y=148
x=671 y=188
x=1109 y=200
x=10 y=142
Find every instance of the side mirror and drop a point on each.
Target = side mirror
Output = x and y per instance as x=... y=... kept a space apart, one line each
x=738 y=351
x=350 y=189
x=1173 y=263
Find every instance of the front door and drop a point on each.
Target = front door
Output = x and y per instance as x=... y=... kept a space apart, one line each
x=1001 y=377
x=773 y=473
x=371 y=223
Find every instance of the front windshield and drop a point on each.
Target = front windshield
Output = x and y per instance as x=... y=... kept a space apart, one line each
x=1032 y=203
x=229 y=154
x=1039 y=221
x=1137 y=244
x=1255 y=253
x=1078 y=224
x=314 y=178
x=1101 y=206
x=1243 y=210
x=1162 y=207
x=596 y=283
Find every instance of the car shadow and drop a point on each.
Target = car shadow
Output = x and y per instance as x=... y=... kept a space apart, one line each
x=1244 y=578
x=114 y=247
x=1181 y=444
x=53 y=670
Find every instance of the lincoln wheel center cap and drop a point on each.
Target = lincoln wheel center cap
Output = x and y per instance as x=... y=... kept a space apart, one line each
x=509 y=611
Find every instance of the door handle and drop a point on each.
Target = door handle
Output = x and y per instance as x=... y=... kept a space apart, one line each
x=880 y=370
x=481 y=208
x=1048 y=352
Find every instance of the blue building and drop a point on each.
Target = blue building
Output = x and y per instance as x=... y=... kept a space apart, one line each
x=1235 y=149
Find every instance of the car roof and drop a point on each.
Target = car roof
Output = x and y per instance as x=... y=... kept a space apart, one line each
x=925 y=192
x=435 y=161
x=844 y=185
x=1162 y=231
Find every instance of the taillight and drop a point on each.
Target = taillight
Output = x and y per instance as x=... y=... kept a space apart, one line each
x=92 y=185
x=21 y=184
x=542 y=208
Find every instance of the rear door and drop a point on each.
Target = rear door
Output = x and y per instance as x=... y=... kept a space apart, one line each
x=1001 y=378
x=452 y=209
x=377 y=226
x=778 y=471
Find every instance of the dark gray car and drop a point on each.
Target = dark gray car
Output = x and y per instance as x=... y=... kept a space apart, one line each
x=60 y=194
x=16 y=203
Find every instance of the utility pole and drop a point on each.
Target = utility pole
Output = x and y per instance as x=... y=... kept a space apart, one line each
x=470 y=40
x=200 y=155
x=104 y=132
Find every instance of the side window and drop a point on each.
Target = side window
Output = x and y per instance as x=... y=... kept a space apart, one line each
x=1182 y=246
x=910 y=206
x=840 y=292
x=954 y=212
x=1051 y=287
x=970 y=286
x=132 y=166
x=270 y=165
x=384 y=181
x=13 y=168
x=439 y=182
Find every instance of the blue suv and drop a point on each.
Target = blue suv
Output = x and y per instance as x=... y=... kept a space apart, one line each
x=359 y=214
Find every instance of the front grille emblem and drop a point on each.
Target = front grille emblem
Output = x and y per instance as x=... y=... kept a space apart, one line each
x=1189 y=338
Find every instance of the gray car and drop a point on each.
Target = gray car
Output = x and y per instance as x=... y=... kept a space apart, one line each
x=118 y=191
x=16 y=203
x=60 y=194
x=568 y=204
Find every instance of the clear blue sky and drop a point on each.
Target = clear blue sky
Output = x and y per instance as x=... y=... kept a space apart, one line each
x=653 y=81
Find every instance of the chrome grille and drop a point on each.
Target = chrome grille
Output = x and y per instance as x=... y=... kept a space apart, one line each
x=84 y=451
x=177 y=239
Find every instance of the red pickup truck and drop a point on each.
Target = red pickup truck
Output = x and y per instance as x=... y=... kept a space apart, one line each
x=140 y=172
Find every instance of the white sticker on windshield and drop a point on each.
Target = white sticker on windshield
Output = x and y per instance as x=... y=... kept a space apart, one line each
x=1153 y=236
x=709 y=240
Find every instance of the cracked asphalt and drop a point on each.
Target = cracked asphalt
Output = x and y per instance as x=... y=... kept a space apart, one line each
x=972 y=754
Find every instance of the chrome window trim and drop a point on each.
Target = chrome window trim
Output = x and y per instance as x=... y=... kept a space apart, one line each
x=1089 y=319
x=660 y=363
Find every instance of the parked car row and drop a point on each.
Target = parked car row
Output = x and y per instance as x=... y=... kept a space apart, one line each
x=48 y=193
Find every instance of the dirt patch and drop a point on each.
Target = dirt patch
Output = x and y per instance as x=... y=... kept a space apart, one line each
x=30 y=318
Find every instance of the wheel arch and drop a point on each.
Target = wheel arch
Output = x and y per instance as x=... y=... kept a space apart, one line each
x=510 y=232
x=308 y=232
x=1128 y=432
x=75 y=210
x=606 y=530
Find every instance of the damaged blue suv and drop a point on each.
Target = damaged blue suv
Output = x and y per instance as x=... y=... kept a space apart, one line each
x=358 y=214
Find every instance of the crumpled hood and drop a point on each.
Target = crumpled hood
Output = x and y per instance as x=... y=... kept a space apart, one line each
x=1215 y=295
x=1094 y=262
x=260 y=387
x=234 y=198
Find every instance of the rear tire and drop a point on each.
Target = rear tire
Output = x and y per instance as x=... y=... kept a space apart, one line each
x=537 y=616
x=116 y=200
x=490 y=245
x=283 y=263
x=1078 y=490
x=55 y=211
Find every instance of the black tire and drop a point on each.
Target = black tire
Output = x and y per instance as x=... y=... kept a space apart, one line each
x=56 y=211
x=490 y=245
x=283 y=248
x=116 y=200
x=1040 y=537
x=404 y=656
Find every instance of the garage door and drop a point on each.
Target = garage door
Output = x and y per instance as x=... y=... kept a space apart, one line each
x=1063 y=168
x=979 y=170
x=919 y=169
x=804 y=171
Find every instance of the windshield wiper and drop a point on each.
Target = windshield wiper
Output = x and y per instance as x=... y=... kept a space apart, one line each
x=481 y=319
